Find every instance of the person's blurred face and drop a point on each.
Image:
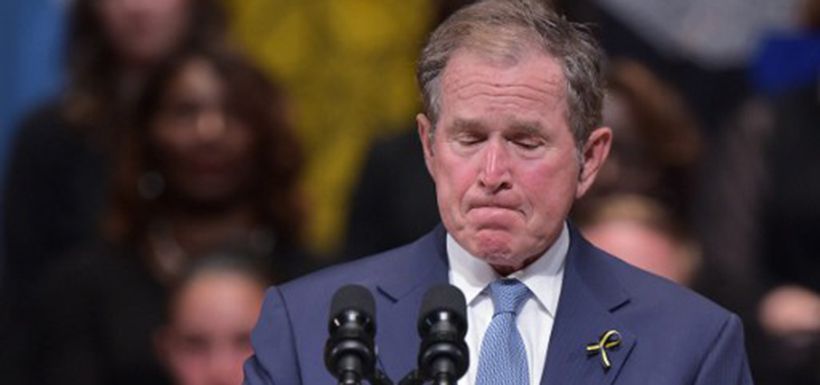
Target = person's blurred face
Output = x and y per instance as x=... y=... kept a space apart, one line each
x=506 y=166
x=206 y=153
x=209 y=336
x=643 y=246
x=143 y=30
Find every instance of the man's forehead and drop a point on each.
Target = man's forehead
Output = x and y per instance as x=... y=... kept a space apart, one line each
x=536 y=70
x=534 y=82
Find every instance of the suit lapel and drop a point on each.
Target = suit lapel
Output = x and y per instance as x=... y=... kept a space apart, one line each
x=398 y=298
x=589 y=296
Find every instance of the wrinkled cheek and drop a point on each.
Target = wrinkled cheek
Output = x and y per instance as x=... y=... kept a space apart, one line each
x=451 y=218
x=449 y=207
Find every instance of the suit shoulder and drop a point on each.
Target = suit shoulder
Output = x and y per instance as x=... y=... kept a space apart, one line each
x=295 y=314
x=669 y=305
x=367 y=271
x=671 y=323
x=650 y=295
x=646 y=287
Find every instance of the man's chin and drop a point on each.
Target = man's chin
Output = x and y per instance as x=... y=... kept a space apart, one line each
x=496 y=252
x=493 y=246
x=497 y=248
x=491 y=241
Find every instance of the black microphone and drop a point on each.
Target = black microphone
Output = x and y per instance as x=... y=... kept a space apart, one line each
x=444 y=356
x=349 y=351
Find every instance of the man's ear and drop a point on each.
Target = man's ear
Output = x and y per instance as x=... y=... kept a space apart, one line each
x=595 y=152
x=425 y=128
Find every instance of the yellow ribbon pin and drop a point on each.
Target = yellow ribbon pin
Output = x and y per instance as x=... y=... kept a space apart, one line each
x=608 y=340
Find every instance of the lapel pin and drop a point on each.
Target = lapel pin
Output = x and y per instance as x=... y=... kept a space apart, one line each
x=609 y=340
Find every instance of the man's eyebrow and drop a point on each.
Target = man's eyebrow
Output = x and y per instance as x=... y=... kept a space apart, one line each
x=465 y=125
x=528 y=127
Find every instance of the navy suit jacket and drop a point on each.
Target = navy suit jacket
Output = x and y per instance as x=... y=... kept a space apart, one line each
x=670 y=335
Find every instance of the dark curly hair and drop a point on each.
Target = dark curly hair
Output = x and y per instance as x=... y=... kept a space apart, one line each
x=255 y=101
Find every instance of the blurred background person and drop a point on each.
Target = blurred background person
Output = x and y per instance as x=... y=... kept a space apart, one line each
x=55 y=186
x=643 y=233
x=210 y=165
x=213 y=162
x=211 y=311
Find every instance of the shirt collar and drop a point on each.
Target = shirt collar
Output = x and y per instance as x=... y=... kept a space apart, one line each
x=543 y=277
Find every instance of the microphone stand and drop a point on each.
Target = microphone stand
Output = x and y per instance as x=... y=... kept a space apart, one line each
x=412 y=378
x=443 y=380
x=415 y=378
x=378 y=378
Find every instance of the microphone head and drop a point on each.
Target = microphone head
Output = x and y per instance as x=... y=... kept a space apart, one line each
x=443 y=301
x=349 y=351
x=352 y=297
x=443 y=356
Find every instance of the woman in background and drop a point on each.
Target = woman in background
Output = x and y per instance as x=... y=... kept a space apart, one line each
x=210 y=166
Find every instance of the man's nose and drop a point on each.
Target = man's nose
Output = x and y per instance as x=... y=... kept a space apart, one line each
x=495 y=172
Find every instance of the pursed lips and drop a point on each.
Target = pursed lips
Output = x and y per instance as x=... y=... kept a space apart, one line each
x=495 y=206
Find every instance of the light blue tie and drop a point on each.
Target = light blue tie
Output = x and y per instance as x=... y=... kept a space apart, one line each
x=503 y=359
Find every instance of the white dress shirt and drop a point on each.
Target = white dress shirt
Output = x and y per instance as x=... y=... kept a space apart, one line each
x=543 y=277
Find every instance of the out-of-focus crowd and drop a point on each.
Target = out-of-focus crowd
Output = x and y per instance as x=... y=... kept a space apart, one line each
x=149 y=203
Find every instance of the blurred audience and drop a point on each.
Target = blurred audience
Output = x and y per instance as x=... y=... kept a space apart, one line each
x=759 y=217
x=758 y=223
x=209 y=166
x=212 y=309
x=62 y=155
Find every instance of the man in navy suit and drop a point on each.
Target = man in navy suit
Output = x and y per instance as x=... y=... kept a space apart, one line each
x=511 y=137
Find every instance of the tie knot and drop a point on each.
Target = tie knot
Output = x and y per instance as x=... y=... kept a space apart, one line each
x=508 y=295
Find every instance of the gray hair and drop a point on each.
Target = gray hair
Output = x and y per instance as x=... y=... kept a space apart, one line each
x=507 y=29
